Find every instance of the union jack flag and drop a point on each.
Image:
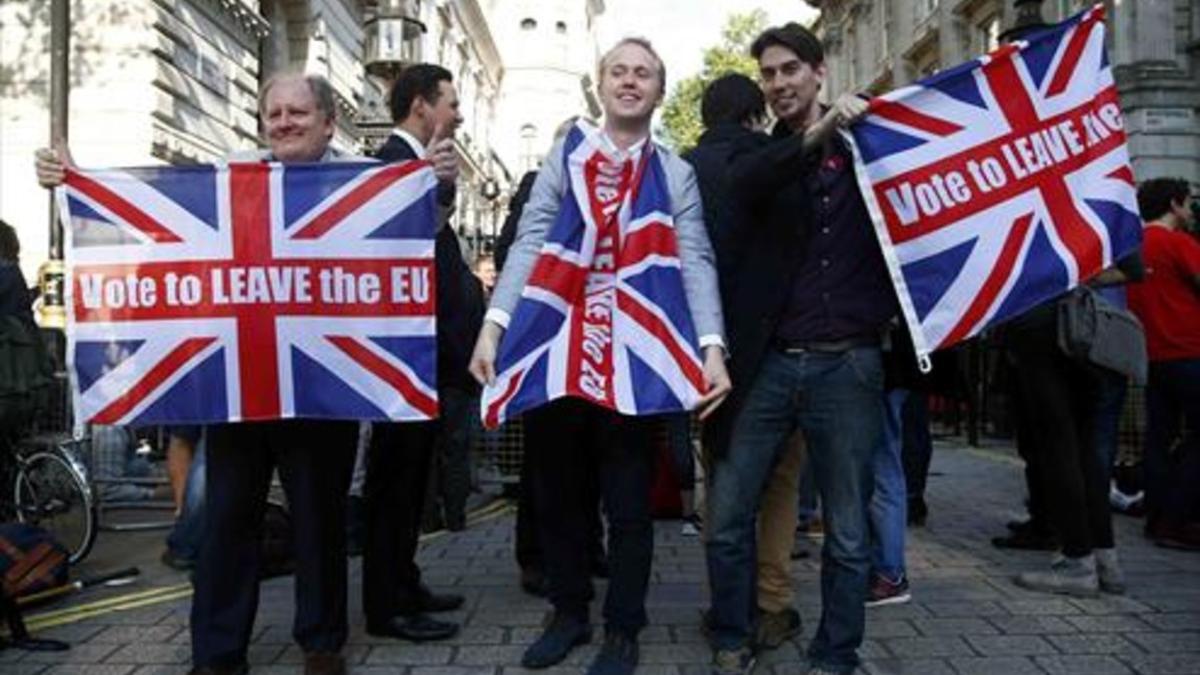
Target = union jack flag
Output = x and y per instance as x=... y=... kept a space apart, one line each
x=251 y=291
x=1001 y=183
x=603 y=316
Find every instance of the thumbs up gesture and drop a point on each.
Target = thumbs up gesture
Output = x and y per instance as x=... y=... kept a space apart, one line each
x=442 y=155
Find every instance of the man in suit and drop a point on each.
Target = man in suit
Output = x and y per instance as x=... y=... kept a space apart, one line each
x=424 y=106
x=314 y=457
x=805 y=328
x=632 y=81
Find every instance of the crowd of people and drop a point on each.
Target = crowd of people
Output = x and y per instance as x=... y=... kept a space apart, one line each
x=809 y=382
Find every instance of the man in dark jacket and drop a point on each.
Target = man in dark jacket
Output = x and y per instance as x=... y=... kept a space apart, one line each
x=805 y=325
x=425 y=108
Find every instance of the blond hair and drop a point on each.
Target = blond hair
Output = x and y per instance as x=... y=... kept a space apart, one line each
x=639 y=42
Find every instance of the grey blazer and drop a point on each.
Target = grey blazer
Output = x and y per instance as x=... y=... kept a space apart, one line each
x=697 y=261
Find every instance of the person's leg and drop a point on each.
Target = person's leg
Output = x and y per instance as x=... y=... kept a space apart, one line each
x=626 y=473
x=226 y=579
x=527 y=547
x=841 y=414
x=808 y=506
x=392 y=527
x=766 y=419
x=454 y=450
x=561 y=434
x=917 y=453
x=888 y=515
x=564 y=434
x=1163 y=417
x=1110 y=395
x=179 y=462
x=679 y=437
x=316 y=458
x=777 y=529
x=1046 y=378
x=187 y=536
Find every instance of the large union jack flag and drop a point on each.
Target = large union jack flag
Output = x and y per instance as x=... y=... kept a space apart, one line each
x=1001 y=183
x=251 y=291
x=603 y=316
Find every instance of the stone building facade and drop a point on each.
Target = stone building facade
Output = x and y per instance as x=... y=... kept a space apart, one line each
x=176 y=81
x=1154 y=46
x=550 y=52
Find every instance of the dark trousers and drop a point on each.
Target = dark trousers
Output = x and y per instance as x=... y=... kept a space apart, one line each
x=916 y=451
x=449 y=482
x=528 y=540
x=315 y=459
x=393 y=496
x=1059 y=403
x=564 y=435
x=1172 y=462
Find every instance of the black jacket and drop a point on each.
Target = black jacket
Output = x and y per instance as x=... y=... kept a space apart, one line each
x=710 y=158
x=460 y=303
x=515 y=206
x=763 y=244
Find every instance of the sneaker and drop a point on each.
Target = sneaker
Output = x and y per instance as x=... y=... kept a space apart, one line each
x=618 y=656
x=884 y=591
x=775 y=628
x=1067 y=576
x=692 y=526
x=733 y=662
x=562 y=635
x=1108 y=571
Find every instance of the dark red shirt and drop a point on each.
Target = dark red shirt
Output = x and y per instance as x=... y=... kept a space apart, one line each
x=1168 y=300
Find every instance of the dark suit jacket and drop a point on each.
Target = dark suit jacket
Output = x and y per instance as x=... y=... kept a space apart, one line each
x=515 y=206
x=763 y=241
x=460 y=302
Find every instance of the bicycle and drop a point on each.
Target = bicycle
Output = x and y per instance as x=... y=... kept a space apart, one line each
x=50 y=489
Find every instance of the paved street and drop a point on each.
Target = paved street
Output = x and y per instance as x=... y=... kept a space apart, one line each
x=966 y=616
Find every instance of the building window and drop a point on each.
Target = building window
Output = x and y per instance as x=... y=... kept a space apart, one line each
x=528 y=152
x=528 y=24
x=987 y=35
x=561 y=27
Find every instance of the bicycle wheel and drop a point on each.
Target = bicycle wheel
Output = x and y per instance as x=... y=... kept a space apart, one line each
x=51 y=494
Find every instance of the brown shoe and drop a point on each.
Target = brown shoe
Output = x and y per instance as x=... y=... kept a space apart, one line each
x=324 y=663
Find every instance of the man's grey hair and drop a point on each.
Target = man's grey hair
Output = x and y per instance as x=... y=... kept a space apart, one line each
x=321 y=90
x=640 y=42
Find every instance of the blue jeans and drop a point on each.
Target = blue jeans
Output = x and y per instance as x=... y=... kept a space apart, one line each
x=188 y=532
x=835 y=400
x=889 y=502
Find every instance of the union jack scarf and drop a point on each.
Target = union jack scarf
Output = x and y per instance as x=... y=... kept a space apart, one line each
x=603 y=316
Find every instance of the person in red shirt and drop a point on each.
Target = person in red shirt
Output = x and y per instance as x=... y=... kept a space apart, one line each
x=1168 y=304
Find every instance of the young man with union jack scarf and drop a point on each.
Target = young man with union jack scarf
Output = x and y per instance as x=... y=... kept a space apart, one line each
x=631 y=86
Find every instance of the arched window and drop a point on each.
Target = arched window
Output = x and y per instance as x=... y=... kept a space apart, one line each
x=528 y=23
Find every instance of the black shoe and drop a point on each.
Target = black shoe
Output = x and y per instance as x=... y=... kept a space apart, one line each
x=239 y=669
x=535 y=583
x=618 y=656
x=439 y=602
x=1028 y=540
x=563 y=634
x=413 y=627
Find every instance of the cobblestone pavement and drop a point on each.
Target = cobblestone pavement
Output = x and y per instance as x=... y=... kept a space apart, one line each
x=966 y=615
